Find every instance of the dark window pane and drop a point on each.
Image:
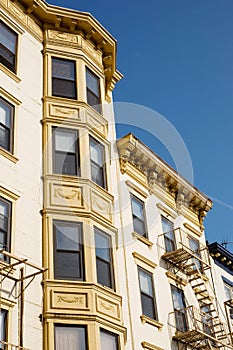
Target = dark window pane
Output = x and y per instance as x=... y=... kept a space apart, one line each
x=63 y=78
x=4 y=137
x=109 y=341
x=67 y=237
x=148 y=307
x=103 y=273
x=139 y=226
x=70 y=337
x=6 y=124
x=93 y=101
x=93 y=90
x=181 y=321
x=65 y=163
x=8 y=43
x=102 y=246
x=68 y=265
x=3 y=325
x=97 y=175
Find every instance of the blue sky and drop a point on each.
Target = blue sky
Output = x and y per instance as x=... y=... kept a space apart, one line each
x=177 y=59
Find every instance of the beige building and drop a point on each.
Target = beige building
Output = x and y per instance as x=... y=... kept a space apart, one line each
x=98 y=251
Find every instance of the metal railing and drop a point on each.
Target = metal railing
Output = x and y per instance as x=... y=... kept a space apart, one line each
x=8 y=346
x=175 y=246
x=198 y=324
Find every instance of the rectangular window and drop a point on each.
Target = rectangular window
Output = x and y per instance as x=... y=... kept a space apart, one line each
x=3 y=330
x=66 y=153
x=104 y=265
x=147 y=293
x=63 y=78
x=228 y=287
x=68 y=250
x=93 y=90
x=97 y=160
x=180 y=309
x=5 y=225
x=8 y=47
x=169 y=237
x=6 y=125
x=195 y=248
x=109 y=341
x=70 y=337
x=138 y=216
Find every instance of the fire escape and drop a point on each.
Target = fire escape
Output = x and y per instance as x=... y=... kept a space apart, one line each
x=194 y=327
x=16 y=275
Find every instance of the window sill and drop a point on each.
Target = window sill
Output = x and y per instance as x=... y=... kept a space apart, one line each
x=9 y=73
x=145 y=319
x=149 y=346
x=8 y=155
x=142 y=239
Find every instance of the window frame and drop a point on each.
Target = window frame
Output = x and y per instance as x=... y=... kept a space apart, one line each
x=152 y=297
x=7 y=233
x=12 y=69
x=181 y=311
x=65 y=325
x=5 y=336
x=11 y=107
x=97 y=106
x=170 y=244
x=110 y=262
x=80 y=252
x=74 y=81
x=145 y=234
x=102 y=167
x=76 y=153
x=115 y=335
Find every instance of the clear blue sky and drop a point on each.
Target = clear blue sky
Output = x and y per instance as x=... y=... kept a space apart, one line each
x=177 y=58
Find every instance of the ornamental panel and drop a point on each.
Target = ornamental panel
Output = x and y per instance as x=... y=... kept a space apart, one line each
x=72 y=301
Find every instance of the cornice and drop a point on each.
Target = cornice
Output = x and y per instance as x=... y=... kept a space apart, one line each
x=160 y=174
x=76 y=22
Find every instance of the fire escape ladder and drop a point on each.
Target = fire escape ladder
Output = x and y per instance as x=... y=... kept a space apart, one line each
x=212 y=324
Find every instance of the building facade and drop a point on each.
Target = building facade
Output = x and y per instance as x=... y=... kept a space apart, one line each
x=102 y=242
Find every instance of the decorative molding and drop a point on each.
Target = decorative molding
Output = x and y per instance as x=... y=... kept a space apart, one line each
x=149 y=346
x=101 y=205
x=107 y=307
x=137 y=189
x=10 y=73
x=192 y=229
x=177 y=279
x=142 y=259
x=142 y=239
x=8 y=155
x=10 y=97
x=66 y=195
x=160 y=175
x=151 y=321
x=8 y=194
x=66 y=112
x=167 y=211
x=64 y=300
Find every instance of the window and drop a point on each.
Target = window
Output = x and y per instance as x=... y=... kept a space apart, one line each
x=93 y=90
x=5 y=224
x=147 y=294
x=70 y=337
x=195 y=248
x=8 y=47
x=138 y=216
x=97 y=163
x=169 y=237
x=109 y=341
x=104 y=266
x=3 y=330
x=228 y=287
x=6 y=125
x=180 y=309
x=63 y=78
x=65 y=160
x=68 y=250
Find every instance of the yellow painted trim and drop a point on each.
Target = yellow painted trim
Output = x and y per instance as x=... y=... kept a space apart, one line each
x=137 y=189
x=8 y=155
x=177 y=279
x=149 y=346
x=9 y=97
x=8 y=194
x=9 y=73
x=165 y=210
x=142 y=239
x=142 y=259
x=146 y=319
x=192 y=229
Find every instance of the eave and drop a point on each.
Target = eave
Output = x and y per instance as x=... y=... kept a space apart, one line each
x=158 y=172
x=222 y=256
x=73 y=21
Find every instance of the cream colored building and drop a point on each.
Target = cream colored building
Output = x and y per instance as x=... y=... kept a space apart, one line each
x=99 y=252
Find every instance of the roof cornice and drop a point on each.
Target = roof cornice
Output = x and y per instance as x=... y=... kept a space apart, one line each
x=159 y=173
